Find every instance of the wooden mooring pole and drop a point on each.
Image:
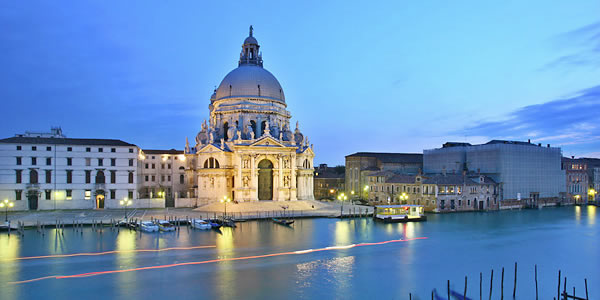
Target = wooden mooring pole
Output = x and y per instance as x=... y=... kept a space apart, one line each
x=480 y=284
x=502 y=285
x=515 y=284
x=558 y=288
x=536 y=285
x=465 y=294
x=491 y=284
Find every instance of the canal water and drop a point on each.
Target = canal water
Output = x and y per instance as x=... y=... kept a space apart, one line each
x=454 y=246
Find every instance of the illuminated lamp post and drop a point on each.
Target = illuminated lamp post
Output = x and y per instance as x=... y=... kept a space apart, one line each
x=125 y=203
x=225 y=200
x=404 y=197
x=6 y=204
x=577 y=198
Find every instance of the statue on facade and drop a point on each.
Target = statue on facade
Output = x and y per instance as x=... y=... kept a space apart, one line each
x=267 y=130
x=298 y=136
x=245 y=180
x=286 y=181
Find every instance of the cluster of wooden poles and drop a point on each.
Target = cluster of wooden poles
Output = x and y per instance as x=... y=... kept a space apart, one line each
x=564 y=295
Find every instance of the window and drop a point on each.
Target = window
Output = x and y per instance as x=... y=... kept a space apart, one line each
x=130 y=177
x=88 y=176
x=113 y=193
x=131 y=162
x=100 y=149
x=146 y=166
x=69 y=194
x=211 y=163
x=48 y=148
x=88 y=194
x=69 y=176
x=113 y=150
x=69 y=149
x=69 y=161
x=181 y=179
x=169 y=178
x=100 y=162
x=19 y=161
x=19 y=173
x=88 y=149
x=162 y=166
x=113 y=176
x=48 y=161
x=19 y=148
x=152 y=156
x=100 y=178
x=33 y=177
x=113 y=162
x=18 y=194
x=34 y=161
x=88 y=161
x=153 y=166
x=48 y=194
x=130 y=194
x=146 y=178
x=169 y=166
x=130 y=150
x=33 y=148
x=162 y=178
x=48 y=176
x=153 y=178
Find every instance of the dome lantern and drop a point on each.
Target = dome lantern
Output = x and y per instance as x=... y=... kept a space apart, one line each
x=250 y=54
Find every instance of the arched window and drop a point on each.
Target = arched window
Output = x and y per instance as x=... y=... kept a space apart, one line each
x=181 y=179
x=253 y=125
x=306 y=164
x=181 y=168
x=100 y=177
x=33 y=176
x=225 y=129
x=130 y=177
x=211 y=163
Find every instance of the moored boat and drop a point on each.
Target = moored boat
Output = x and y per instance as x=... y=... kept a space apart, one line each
x=165 y=226
x=283 y=222
x=201 y=224
x=148 y=226
x=399 y=213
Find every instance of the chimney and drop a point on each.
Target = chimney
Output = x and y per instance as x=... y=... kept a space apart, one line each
x=548 y=145
x=529 y=141
x=539 y=144
x=478 y=171
x=572 y=156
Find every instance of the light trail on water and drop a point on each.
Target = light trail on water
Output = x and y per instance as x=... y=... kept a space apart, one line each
x=299 y=252
x=108 y=252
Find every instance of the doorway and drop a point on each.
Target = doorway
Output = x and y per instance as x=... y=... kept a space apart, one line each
x=33 y=200
x=100 y=201
x=265 y=180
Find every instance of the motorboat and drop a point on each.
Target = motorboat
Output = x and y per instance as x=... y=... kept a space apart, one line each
x=148 y=226
x=215 y=223
x=165 y=226
x=399 y=213
x=201 y=224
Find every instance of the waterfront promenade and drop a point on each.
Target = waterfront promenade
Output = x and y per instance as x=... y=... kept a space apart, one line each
x=241 y=211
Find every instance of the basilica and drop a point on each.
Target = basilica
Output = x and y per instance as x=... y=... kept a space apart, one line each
x=247 y=151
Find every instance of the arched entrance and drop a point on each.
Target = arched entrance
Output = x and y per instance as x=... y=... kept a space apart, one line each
x=265 y=180
x=32 y=199
x=99 y=199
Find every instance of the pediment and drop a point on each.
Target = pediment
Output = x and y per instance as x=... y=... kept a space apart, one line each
x=266 y=141
x=308 y=151
x=210 y=148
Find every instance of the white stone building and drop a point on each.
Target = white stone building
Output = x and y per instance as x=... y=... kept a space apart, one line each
x=162 y=175
x=49 y=171
x=247 y=151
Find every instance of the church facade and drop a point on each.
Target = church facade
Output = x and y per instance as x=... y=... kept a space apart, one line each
x=247 y=151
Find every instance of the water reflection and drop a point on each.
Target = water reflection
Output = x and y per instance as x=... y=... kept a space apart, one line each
x=126 y=282
x=342 y=233
x=225 y=279
x=578 y=214
x=337 y=273
x=9 y=270
x=591 y=214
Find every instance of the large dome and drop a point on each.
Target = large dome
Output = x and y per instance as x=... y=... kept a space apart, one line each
x=250 y=81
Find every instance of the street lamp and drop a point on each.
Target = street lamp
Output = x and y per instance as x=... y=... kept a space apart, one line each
x=404 y=197
x=6 y=204
x=577 y=198
x=126 y=203
x=225 y=200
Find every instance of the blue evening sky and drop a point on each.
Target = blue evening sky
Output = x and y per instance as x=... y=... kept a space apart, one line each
x=396 y=76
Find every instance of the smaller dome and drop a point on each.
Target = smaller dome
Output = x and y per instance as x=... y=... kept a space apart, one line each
x=250 y=41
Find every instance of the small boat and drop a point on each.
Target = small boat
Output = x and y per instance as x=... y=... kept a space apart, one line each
x=399 y=213
x=201 y=224
x=165 y=226
x=229 y=223
x=148 y=226
x=215 y=224
x=283 y=222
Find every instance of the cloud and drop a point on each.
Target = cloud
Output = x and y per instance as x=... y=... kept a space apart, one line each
x=570 y=121
x=586 y=40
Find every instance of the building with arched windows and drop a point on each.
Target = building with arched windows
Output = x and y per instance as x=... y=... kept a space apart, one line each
x=246 y=151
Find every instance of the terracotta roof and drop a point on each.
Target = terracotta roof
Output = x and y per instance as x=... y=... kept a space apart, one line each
x=64 y=141
x=401 y=178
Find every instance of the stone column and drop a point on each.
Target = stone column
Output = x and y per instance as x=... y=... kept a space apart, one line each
x=253 y=179
x=280 y=177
